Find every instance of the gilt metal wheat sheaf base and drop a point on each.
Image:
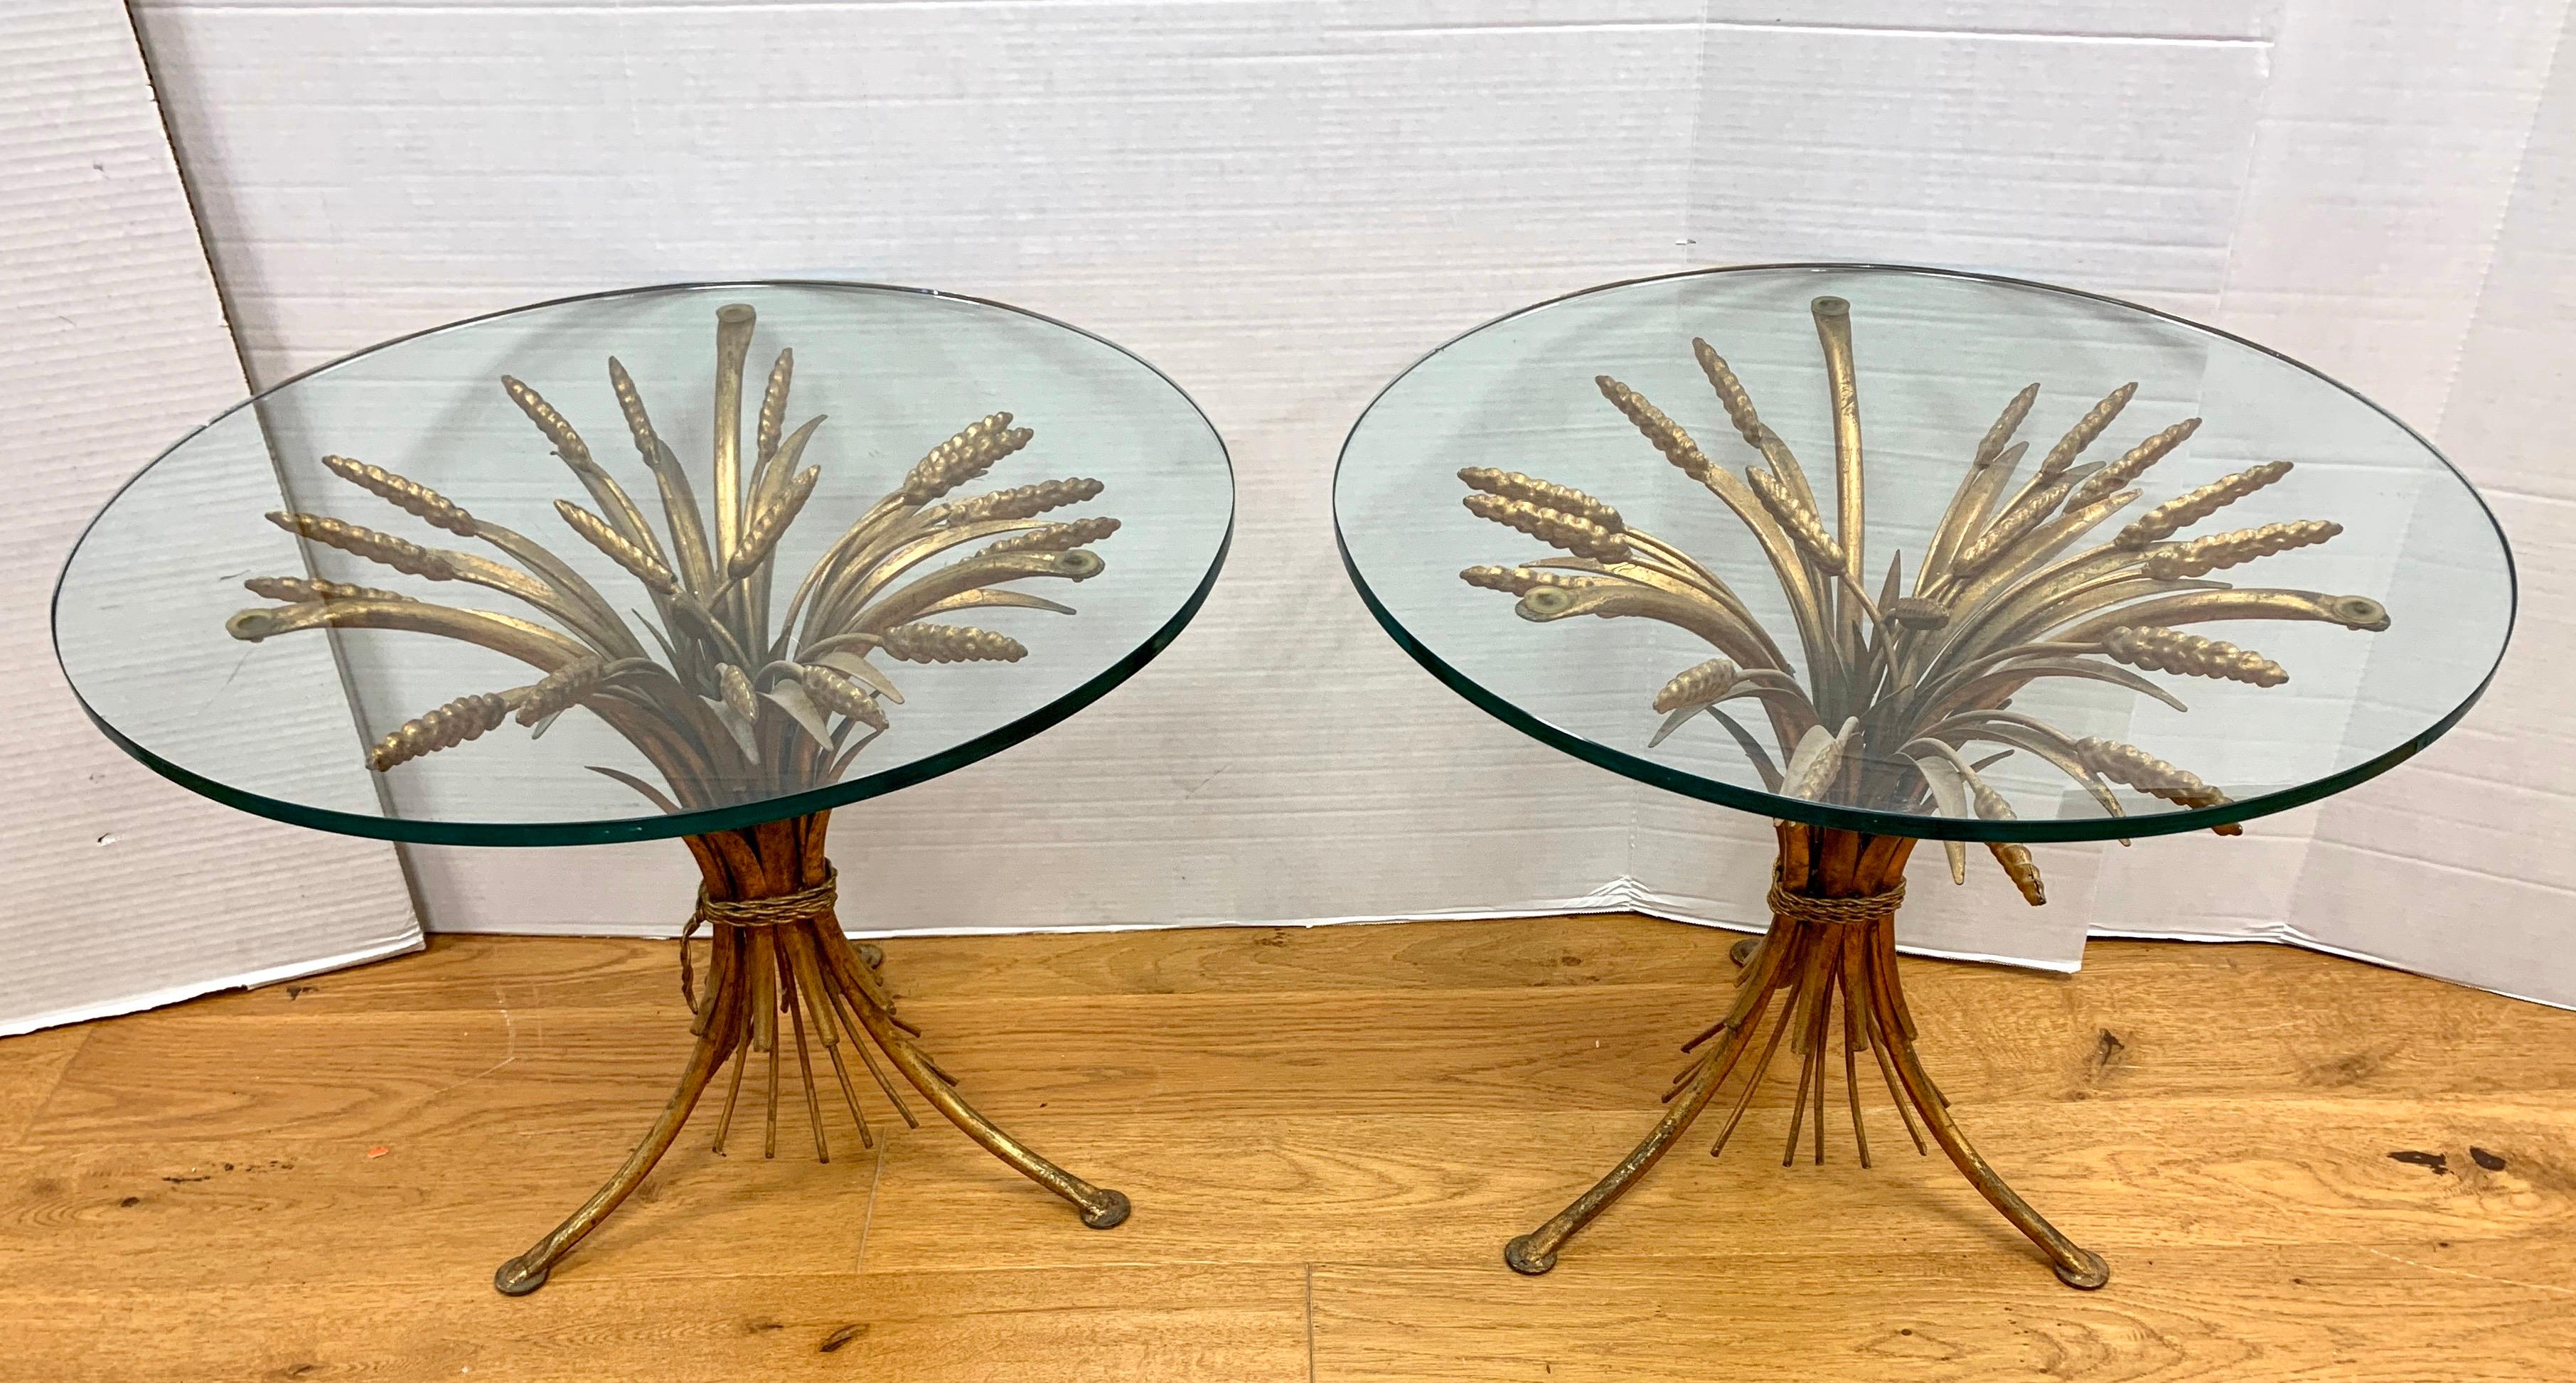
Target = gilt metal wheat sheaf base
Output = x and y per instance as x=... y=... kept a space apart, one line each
x=737 y=707
x=1899 y=691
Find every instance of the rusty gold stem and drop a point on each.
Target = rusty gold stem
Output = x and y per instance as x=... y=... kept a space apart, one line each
x=527 y=1272
x=804 y=1062
x=733 y=342
x=2000 y=602
x=801 y=960
x=1535 y=1252
x=2075 y=1266
x=1826 y=935
x=1101 y=1208
x=1834 y=333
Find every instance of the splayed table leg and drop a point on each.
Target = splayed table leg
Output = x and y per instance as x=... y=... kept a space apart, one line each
x=777 y=947
x=1832 y=937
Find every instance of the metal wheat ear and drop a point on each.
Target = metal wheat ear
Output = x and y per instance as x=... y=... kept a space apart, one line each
x=1874 y=703
x=732 y=700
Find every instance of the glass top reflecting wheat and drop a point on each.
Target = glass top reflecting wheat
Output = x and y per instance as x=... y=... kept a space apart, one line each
x=644 y=564
x=1923 y=553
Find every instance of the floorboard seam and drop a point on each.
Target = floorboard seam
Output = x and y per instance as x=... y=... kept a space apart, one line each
x=20 y=1129
x=1310 y=1323
x=868 y=1218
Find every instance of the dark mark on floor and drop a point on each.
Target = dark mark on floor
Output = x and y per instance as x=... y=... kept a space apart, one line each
x=2106 y=1050
x=298 y=991
x=2486 y=1159
x=843 y=1336
x=2439 y=1164
x=182 y=1181
x=2352 y=1069
x=131 y=1200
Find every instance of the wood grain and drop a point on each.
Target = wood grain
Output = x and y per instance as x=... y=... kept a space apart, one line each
x=1328 y=1135
x=30 y=1067
x=2486 y=1311
x=1105 y=1326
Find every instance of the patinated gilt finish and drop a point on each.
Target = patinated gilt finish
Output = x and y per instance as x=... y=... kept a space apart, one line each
x=1896 y=691
x=731 y=702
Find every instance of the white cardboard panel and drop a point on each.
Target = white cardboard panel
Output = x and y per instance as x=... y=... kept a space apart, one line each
x=2387 y=145
x=2456 y=864
x=1279 y=213
x=2115 y=165
x=2021 y=152
x=2387 y=148
x=1283 y=204
x=126 y=891
x=2111 y=21
x=2108 y=19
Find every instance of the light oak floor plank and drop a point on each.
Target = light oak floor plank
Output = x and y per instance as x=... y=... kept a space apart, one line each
x=2298 y=1167
x=31 y=1065
x=726 y=1321
x=2420 y=1313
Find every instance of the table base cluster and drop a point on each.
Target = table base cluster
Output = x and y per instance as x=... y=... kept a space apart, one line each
x=1833 y=933
x=776 y=950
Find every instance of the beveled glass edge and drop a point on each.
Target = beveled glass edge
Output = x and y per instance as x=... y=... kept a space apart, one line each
x=2029 y=831
x=660 y=826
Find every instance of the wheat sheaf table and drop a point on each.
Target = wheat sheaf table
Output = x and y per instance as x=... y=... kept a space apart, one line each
x=703 y=561
x=1891 y=555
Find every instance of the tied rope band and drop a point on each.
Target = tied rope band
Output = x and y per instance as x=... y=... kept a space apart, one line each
x=1830 y=912
x=754 y=912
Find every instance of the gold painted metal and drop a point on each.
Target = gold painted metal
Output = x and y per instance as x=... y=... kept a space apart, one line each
x=1832 y=937
x=1896 y=687
x=775 y=946
x=1895 y=691
x=737 y=707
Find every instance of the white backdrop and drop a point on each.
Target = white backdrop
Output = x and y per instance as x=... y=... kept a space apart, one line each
x=1282 y=204
x=123 y=890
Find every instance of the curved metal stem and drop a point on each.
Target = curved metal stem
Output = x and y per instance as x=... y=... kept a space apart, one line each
x=1807 y=961
x=2074 y=1265
x=810 y=965
x=1535 y=1252
x=1101 y=1208
x=527 y=1272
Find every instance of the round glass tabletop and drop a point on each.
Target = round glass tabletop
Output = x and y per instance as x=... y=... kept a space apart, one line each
x=649 y=563
x=1923 y=553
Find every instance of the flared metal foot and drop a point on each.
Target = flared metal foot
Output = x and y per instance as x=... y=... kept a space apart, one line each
x=1817 y=958
x=516 y=1279
x=1111 y=1211
x=2088 y=1275
x=792 y=983
x=1518 y=1257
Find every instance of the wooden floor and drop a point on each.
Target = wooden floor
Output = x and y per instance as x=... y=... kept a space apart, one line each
x=2297 y=1166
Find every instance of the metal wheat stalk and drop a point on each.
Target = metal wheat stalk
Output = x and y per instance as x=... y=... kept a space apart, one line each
x=731 y=702
x=1898 y=691
x=738 y=697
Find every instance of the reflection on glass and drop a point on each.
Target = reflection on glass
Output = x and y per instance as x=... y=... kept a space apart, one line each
x=728 y=703
x=732 y=609
x=2002 y=646
x=1907 y=696
x=2013 y=681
